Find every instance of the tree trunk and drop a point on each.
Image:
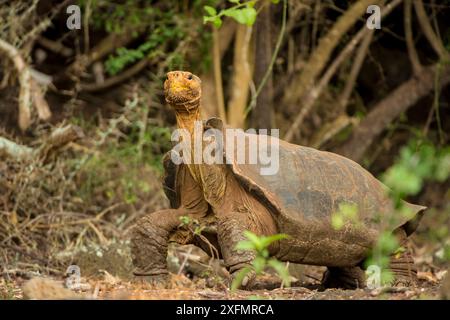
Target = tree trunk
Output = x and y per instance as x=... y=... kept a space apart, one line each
x=212 y=90
x=261 y=117
x=241 y=78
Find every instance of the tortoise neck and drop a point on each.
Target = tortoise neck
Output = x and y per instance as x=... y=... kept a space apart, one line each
x=187 y=119
x=187 y=114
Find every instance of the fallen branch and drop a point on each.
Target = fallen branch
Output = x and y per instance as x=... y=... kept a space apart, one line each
x=388 y=109
x=57 y=139
x=13 y=150
x=110 y=82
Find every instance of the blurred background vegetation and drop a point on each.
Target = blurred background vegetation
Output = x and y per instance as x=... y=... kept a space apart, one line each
x=311 y=68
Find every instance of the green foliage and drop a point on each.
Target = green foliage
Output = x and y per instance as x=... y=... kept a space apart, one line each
x=347 y=213
x=122 y=161
x=148 y=49
x=386 y=245
x=192 y=224
x=164 y=27
x=242 y=12
x=417 y=163
x=113 y=18
x=260 y=245
x=444 y=253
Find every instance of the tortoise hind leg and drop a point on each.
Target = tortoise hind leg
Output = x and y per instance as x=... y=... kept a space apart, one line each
x=343 y=278
x=402 y=263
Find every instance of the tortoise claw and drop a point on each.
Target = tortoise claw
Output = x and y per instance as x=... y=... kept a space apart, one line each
x=247 y=282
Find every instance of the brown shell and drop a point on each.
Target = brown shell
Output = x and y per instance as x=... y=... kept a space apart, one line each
x=310 y=185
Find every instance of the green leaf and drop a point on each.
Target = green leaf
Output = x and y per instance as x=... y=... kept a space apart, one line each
x=282 y=271
x=185 y=220
x=245 y=245
x=210 y=10
x=349 y=210
x=234 y=1
x=275 y=1
x=250 y=15
x=267 y=241
x=387 y=277
x=217 y=22
x=387 y=243
x=239 y=277
x=442 y=171
x=337 y=221
x=259 y=263
x=400 y=179
x=254 y=239
x=243 y=16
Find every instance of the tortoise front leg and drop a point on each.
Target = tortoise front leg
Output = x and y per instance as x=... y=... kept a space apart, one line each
x=150 y=235
x=230 y=231
x=149 y=242
x=231 y=226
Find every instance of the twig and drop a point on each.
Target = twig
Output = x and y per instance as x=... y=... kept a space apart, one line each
x=317 y=61
x=186 y=256
x=24 y=252
x=28 y=89
x=315 y=91
x=11 y=149
x=424 y=22
x=412 y=53
x=55 y=46
x=356 y=67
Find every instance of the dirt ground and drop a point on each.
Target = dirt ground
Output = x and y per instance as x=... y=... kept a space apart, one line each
x=181 y=287
x=106 y=274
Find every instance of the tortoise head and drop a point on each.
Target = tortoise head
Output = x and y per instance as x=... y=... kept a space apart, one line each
x=182 y=90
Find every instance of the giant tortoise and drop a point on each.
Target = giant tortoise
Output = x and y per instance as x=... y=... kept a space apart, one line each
x=299 y=200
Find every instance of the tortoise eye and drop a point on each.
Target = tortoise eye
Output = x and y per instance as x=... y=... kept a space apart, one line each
x=189 y=77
